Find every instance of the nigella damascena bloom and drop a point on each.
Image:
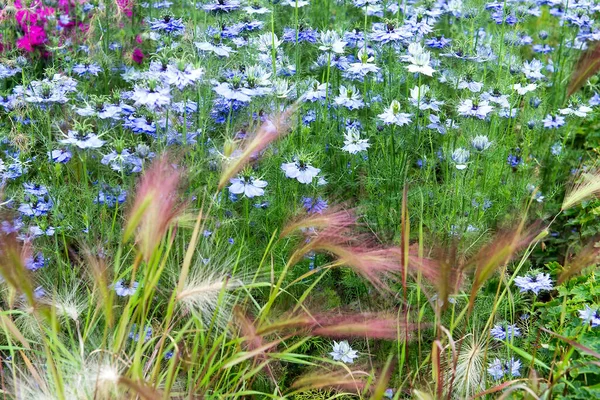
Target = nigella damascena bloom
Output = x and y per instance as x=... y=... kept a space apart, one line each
x=181 y=75
x=581 y=111
x=153 y=96
x=498 y=369
x=553 y=121
x=392 y=115
x=83 y=141
x=316 y=91
x=353 y=143
x=460 y=157
x=343 y=352
x=481 y=143
x=470 y=108
x=590 y=316
x=330 y=41
x=419 y=60
x=168 y=25
x=300 y=170
x=123 y=290
x=87 y=69
x=350 y=98
x=534 y=284
x=364 y=66
x=314 y=206
x=505 y=331
x=248 y=186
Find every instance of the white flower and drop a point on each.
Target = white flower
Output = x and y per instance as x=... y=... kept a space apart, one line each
x=316 y=91
x=343 y=352
x=353 y=143
x=331 y=41
x=582 y=111
x=392 y=115
x=467 y=108
x=418 y=92
x=419 y=60
x=460 y=156
x=221 y=51
x=522 y=90
x=295 y=3
x=349 y=98
x=481 y=142
x=249 y=186
x=301 y=171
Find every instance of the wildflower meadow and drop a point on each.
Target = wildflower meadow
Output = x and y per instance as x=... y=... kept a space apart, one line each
x=299 y=199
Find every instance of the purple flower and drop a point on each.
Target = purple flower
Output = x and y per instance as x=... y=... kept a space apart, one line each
x=314 y=206
x=505 y=331
x=590 y=316
x=534 y=284
x=122 y=290
x=60 y=156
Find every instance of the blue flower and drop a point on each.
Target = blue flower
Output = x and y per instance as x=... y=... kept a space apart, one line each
x=110 y=196
x=168 y=25
x=314 y=206
x=122 y=290
x=61 y=156
x=590 y=316
x=534 y=284
x=505 y=331
x=133 y=334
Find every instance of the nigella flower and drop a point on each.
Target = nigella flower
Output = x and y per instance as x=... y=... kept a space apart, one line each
x=460 y=157
x=220 y=50
x=153 y=96
x=135 y=335
x=111 y=196
x=364 y=66
x=481 y=143
x=83 y=141
x=470 y=108
x=181 y=75
x=556 y=149
x=392 y=115
x=300 y=170
x=497 y=368
x=534 y=284
x=438 y=43
x=553 y=122
x=229 y=92
x=343 y=352
x=168 y=25
x=331 y=42
x=533 y=69
x=353 y=143
x=590 y=316
x=222 y=5
x=60 y=156
x=34 y=263
x=314 y=206
x=350 y=98
x=505 y=331
x=581 y=111
x=248 y=186
x=36 y=208
x=419 y=60
x=124 y=290
x=35 y=189
x=87 y=69
x=304 y=33
x=316 y=91
x=524 y=89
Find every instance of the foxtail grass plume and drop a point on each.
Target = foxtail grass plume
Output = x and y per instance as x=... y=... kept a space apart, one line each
x=13 y=264
x=271 y=130
x=587 y=66
x=156 y=205
x=586 y=257
x=206 y=293
x=587 y=184
x=333 y=219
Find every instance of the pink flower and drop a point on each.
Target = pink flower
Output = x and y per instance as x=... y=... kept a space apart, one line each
x=34 y=37
x=137 y=55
